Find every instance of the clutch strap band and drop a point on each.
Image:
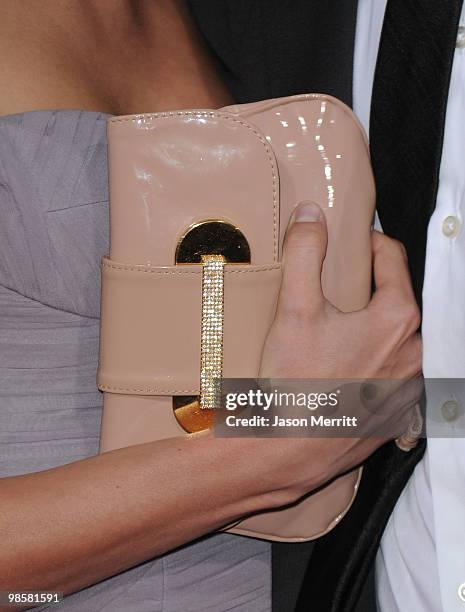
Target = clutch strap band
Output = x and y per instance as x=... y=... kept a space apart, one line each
x=152 y=329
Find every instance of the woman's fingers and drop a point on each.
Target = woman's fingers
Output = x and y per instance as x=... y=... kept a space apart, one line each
x=391 y=273
x=303 y=254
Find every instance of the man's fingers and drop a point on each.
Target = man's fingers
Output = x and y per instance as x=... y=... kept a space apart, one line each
x=303 y=255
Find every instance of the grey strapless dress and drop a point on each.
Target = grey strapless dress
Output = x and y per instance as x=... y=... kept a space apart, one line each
x=54 y=229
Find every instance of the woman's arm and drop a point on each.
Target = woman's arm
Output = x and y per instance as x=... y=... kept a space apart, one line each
x=69 y=527
x=72 y=526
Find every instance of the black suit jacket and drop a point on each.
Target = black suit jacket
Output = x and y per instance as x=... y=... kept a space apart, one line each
x=267 y=49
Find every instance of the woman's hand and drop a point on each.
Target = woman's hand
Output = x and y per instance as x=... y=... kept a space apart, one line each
x=311 y=339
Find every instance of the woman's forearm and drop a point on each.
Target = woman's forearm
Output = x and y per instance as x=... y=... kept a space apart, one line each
x=72 y=526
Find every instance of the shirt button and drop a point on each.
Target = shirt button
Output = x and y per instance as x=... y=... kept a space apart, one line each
x=460 y=42
x=461 y=592
x=450 y=411
x=451 y=226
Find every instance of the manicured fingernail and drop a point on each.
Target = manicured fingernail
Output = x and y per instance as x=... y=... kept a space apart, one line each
x=307 y=211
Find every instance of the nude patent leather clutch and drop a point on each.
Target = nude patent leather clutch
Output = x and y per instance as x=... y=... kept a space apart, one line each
x=206 y=195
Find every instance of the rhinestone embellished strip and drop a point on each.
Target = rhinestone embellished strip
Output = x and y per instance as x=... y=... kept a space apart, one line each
x=211 y=357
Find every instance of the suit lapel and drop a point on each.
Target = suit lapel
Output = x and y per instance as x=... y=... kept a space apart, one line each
x=407 y=127
x=407 y=119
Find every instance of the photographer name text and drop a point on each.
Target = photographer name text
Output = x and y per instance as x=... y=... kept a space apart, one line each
x=277 y=421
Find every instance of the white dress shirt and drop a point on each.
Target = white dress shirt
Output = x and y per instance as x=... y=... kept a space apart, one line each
x=421 y=563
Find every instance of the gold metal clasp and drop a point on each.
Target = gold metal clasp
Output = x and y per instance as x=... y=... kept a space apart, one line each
x=213 y=244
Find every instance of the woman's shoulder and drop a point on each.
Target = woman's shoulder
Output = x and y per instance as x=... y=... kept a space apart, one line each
x=54 y=206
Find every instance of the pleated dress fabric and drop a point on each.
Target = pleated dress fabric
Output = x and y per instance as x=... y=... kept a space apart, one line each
x=53 y=232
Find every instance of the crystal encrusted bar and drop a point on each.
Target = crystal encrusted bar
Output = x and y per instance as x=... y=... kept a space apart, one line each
x=211 y=358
